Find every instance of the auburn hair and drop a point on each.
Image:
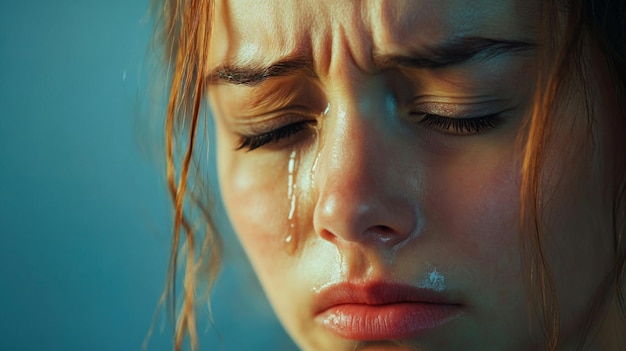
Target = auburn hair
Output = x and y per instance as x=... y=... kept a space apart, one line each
x=183 y=29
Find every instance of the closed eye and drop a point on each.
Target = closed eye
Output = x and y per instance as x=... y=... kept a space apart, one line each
x=461 y=126
x=251 y=142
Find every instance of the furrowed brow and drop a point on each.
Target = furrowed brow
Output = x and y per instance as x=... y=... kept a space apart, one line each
x=252 y=75
x=453 y=52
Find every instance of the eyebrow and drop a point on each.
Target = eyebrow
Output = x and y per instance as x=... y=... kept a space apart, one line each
x=452 y=52
x=254 y=74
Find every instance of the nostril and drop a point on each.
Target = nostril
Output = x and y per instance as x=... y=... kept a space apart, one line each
x=383 y=230
x=383 y=233
x=327 y=235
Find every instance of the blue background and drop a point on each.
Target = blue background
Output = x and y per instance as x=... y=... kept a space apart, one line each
x=84 y=217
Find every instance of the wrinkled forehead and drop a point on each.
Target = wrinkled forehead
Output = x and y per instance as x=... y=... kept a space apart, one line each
x=252 y=31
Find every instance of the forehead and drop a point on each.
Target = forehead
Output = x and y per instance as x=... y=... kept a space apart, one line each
x=260 y=32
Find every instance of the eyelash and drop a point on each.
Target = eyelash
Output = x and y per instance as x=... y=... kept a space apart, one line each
x=251 y=142
x=454 y=126
x=460 y=126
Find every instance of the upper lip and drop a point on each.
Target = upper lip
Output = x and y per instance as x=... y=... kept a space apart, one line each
x=376 y=293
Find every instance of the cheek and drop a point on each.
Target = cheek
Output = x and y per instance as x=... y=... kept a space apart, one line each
x=267 y=206
x=474 y=216
x=253 y=188
x=477 y=202
x=258 y=208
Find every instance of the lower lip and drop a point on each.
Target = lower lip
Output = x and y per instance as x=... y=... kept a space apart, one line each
x=386 y=322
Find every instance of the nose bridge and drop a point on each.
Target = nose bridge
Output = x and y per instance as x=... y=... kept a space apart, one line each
x=350 y=154
x=357 y=198
x=355 y=131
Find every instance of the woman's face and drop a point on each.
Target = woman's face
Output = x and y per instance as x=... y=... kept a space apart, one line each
x=368 y=161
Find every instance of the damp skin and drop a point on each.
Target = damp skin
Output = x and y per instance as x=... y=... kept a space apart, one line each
x=291 y=196
x=378 y=197
x=306 y=181
x=434 y=281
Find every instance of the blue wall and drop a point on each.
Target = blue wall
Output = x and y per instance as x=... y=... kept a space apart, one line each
x=84 y=218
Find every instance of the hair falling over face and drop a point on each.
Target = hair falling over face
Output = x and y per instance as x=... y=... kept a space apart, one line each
x=183 y=31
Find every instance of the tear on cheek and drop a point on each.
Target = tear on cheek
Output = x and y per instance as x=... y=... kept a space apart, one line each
x=292 y=199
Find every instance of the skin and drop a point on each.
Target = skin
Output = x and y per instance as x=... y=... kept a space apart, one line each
x=375 y=195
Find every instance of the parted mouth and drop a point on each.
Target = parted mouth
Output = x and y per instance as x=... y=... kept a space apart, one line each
x=380 y=310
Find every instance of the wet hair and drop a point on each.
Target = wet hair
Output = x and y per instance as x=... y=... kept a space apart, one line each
x=568 y=28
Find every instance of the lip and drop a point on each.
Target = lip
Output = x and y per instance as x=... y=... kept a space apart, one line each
x=383 y=311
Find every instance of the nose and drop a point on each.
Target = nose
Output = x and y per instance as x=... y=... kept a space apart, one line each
x=362 y=194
